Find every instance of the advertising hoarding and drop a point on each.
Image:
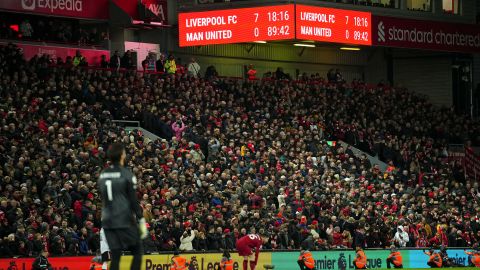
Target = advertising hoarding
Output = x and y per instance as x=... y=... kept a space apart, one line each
x=86 y=9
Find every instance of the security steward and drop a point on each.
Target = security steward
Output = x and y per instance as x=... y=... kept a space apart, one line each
x=435 y=260
x=475 y=257
x=305 y=260
x=360 y=261
x=179 y=262
x=394 y=258
x=227 y=262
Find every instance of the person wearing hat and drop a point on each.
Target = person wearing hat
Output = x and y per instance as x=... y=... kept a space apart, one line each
x=474 y=257
x=305 y=260
x=360 y=260
x=435 y=260
x=394 y=258
x=41 y=262
x=227 y=262
x=179 y=262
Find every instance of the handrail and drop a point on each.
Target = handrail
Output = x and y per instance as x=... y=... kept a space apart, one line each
x=127 y=122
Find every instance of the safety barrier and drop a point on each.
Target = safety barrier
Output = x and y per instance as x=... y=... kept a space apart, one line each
x=283 y=260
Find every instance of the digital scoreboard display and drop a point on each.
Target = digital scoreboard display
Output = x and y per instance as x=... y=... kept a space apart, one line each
x=280 y=22
x=333 y=25
x=237 y=25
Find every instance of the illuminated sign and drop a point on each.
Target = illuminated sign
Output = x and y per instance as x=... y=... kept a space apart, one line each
x=237 y=25
x=333 y=25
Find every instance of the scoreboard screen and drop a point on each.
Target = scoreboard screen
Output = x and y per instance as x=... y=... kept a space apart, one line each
x=281 y=22
x=237 y=25
x=333 y=25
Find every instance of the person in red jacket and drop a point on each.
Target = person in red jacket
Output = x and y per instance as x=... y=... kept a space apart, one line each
x=251 y=73
x=245 y=246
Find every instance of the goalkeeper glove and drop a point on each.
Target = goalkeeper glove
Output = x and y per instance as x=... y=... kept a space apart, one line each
x=142 y=226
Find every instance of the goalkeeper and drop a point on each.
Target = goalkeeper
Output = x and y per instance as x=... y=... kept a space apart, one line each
x=122 y=217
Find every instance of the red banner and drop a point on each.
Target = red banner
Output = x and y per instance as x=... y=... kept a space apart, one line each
x=87 y=9
x=417 y=34
x=472 y=163
x=61 y=263
x=93 y=56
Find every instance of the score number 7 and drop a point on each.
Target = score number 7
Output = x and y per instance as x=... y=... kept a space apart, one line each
x=346 y=17
x=256 y=31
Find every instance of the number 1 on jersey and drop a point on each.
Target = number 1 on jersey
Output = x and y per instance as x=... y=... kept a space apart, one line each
x=108 y=183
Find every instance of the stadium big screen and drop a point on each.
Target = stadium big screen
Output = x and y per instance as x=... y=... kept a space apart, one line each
x=282 y=22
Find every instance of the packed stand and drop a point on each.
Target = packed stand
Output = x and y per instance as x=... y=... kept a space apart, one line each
x=236 y=158
x=49 y=29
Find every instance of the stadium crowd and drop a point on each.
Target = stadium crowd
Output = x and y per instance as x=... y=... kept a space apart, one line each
x=56 y=30
x=235 y=157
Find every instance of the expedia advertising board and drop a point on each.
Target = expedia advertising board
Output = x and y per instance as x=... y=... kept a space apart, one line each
x=88 y=9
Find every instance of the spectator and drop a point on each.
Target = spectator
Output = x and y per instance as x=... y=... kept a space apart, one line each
x=401 y=237
x=170 y=66
x=180 y=67
x=251 y=73
x=127 y=60
x=115 y=61
x=211 y=73
x=78 y=59
x=193 y=68
x=26 y=29
x=186 y=240
x=151 y=243
x=103 y=62
x=160 y=64
x=178 y=127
